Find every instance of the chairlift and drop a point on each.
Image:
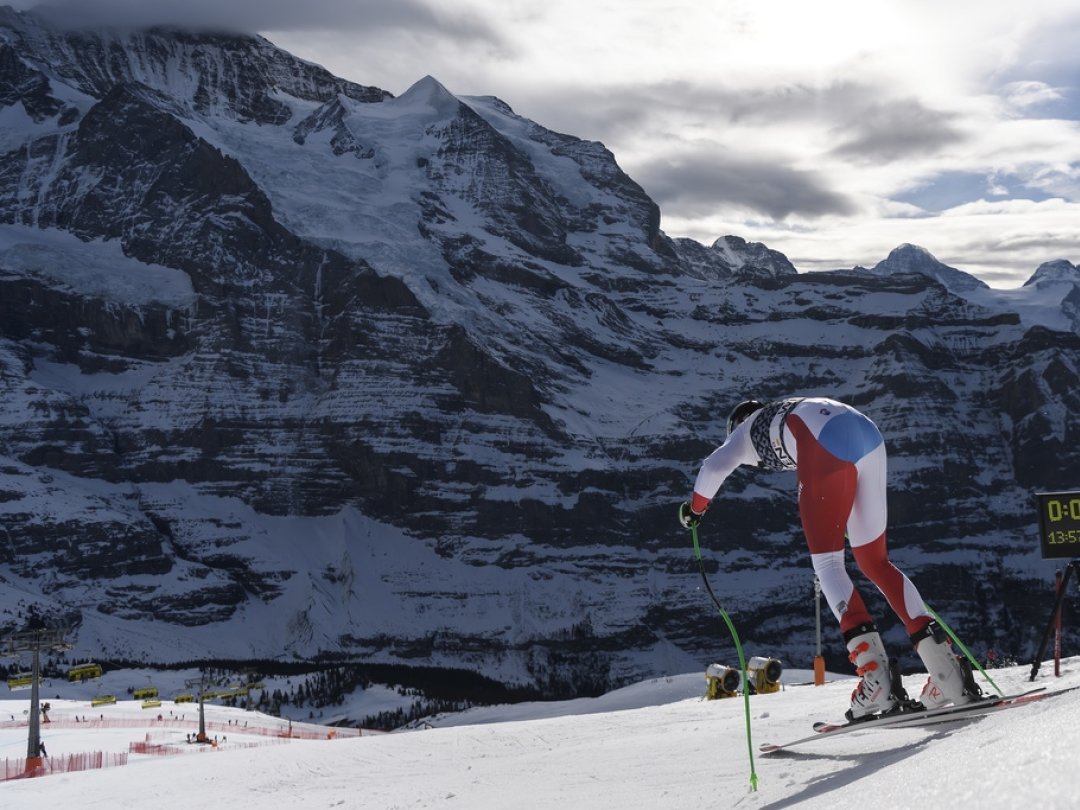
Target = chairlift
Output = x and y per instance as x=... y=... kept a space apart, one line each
x=148 y=692
x=101 y=699
x=185 y=697
x=152 y=703
x=82 y=672
x=21 y=680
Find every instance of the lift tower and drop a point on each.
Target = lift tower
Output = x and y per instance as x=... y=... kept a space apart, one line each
x=34 y=641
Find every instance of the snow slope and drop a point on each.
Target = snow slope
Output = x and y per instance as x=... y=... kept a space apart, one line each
x=655 y=744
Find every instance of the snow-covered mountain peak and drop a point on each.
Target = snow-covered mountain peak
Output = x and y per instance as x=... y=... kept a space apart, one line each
x=753 y=256
x=242 y=76
x=429 y=92
x=1058 y=270
x=911 y=253
x=908 y=258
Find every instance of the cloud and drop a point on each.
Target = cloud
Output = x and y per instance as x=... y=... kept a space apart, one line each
x=1025 y=94
x=897 y=130
x=363 y=18
x=669 y=103
x=698 y=183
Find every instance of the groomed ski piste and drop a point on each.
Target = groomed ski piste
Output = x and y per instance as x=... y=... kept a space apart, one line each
x=656 y=744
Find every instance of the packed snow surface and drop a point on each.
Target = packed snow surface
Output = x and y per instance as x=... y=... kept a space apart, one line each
x=657 y=744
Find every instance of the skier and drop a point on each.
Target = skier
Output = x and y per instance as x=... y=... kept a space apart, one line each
x=839 y=458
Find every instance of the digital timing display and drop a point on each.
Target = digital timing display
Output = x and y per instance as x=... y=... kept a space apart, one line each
x=1059 y=524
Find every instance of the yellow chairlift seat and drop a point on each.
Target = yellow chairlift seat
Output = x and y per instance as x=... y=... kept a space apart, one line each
x=151 y=703
x=22 y=680
x=145 y=693
x=81 y=672
x=184 y=698
x=103 y=700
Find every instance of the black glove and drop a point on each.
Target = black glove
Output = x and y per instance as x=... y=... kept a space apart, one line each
x=687 y=516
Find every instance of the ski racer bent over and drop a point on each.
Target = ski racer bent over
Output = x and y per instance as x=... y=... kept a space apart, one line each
x=838 y=456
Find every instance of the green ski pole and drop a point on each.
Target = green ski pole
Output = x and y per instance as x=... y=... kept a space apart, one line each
x=738 y=649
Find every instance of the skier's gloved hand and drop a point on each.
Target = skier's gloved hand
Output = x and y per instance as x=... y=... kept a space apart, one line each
x=687 y=516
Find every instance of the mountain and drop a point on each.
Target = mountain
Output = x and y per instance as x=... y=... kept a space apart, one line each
x=729 y=255
x=1057 y=271
x=293 y=368
x=914 y=259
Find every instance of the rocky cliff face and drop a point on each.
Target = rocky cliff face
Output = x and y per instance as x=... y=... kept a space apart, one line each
x=290 y=366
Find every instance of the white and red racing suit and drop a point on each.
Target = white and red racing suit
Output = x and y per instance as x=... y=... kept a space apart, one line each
x=839 y=458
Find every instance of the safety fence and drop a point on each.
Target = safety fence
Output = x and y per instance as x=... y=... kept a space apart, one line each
x=282 y=732
x=151 y=748
x=65 y=763
x=296 y=731
x=46 y=766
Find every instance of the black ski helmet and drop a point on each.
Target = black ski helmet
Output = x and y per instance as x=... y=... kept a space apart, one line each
x=740 y=413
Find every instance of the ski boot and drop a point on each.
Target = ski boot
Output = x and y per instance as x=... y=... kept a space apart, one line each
x=904 y=703
x=951 y=679
x=874 y=694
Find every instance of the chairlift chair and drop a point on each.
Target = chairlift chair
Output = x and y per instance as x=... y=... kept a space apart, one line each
x=21 y=680
x=148 y=692
x=82 y=672
x=102 y=699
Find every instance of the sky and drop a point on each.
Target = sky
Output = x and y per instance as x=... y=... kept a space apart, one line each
x=649 y=745
x=831 y=131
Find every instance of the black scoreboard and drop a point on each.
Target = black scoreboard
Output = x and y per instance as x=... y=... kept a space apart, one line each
x=1059 y=524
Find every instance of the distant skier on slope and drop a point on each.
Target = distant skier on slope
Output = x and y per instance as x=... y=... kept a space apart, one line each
x=839 y=458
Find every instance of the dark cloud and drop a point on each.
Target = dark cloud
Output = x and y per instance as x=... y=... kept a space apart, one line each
x=895 y=130
x=363 y=17
x=622 y=108
x=861 y=125
x=775 y=104
x=697 y=183
x=1013 y=259
x=700 y=183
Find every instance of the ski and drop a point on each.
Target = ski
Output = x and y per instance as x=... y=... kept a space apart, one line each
x=920 y=717
x=911 y=715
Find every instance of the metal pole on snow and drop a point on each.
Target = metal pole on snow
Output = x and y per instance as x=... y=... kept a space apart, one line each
x=819 y=660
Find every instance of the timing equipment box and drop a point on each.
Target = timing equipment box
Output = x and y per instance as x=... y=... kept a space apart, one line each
x=1059 y=524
